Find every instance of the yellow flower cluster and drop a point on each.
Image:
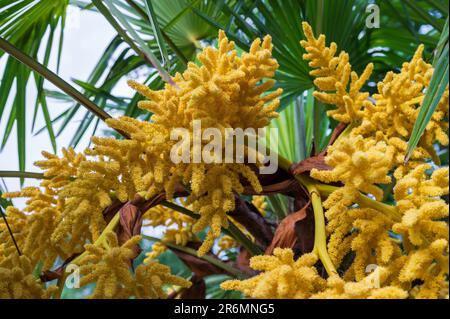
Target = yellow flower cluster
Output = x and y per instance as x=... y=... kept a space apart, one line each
x=423 y=214
x=151 y=279
x=109 y=267
x=363 y=156
x=363 y=231
x=391 y=117
x=17 y=221
x=338 y=84
x=359 y=163
x=37 y=223
x=178 y=228
x=17 y=280
x=408 y=242
x=424 y=228
x=224 y=92
x=368 y=288
x=33 y=227
x=397 y=106
x=423 y=254
x=285 y=278
x=60 y=171
x=281 y=277
x=68 y=213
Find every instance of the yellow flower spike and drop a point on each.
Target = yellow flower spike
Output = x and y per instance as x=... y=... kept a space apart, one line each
x=34 y=226
x=157 y=250
x=108 y=265
x=17 y=221
x=260 y=203
x=60 y=169
x=423 y=212
x=17 y=280
x=419 y=261
x=367 y=288
x=359 y=163
x=416 y=189
x=282 y=277
x=397 y=106
x=334 y=74
x=151 y=278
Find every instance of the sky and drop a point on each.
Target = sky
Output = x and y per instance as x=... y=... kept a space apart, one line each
x=86 y=36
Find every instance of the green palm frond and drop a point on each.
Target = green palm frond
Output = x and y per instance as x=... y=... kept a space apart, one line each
x=29 y=25
x=437 y=87
x=174 y=31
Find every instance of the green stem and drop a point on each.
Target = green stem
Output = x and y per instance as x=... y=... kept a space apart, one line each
x=320 y=236
x=169 y=41
x=108 y=16
x=112 y=225
x=151 y=17
x=179 y=209
x=214 y=261
x=18 y=174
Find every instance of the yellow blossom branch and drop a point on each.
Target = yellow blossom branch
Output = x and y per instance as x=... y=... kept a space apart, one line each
x=364 y=201
x=10 y=231
x=413 y=101
x=316 y=189
x=232 y=230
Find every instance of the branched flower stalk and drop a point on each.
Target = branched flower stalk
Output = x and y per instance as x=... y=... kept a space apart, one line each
x=84 y=211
